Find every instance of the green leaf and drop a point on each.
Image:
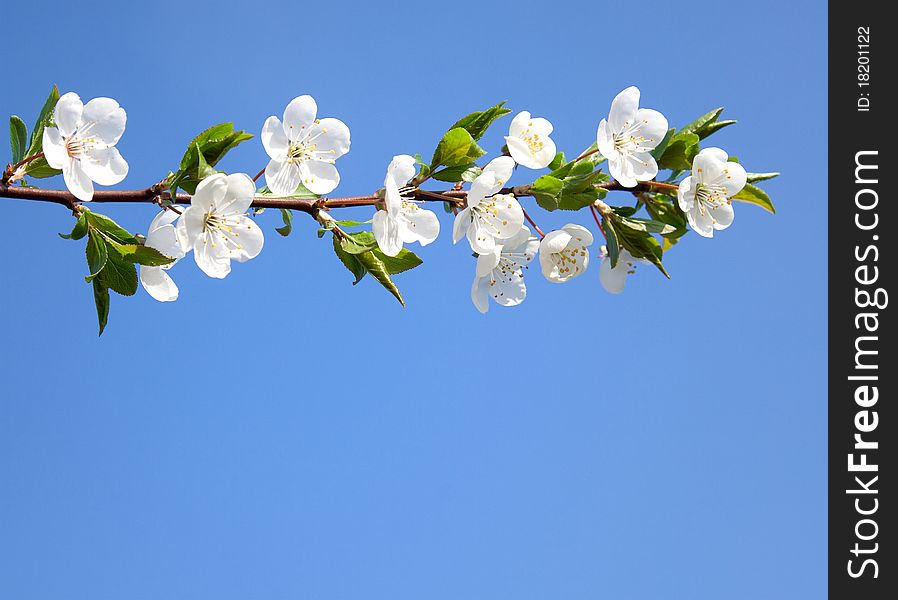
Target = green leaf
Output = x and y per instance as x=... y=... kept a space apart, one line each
x=18 y=135
x=78 y=231
x=357 y=255
x=467 y=172
x=638 y=242
x=755 y=177
x=287 y=216
x=647 y=225
x=40 y=169
x=101 y=299
x=349 y=223
x=658 y=152
x=374 y=265
x=359 y=242
x=679 y=152
x=97 y=253
x=755 y=195
x=109 y=227
x=611 y=242
x=349 y=261
x=203 y=153
x=702 y=121
x=44 y=117
x=119 y=275
x=138 y=253
x=546 y=191
x=477 y=123
x=557 y=161
x=455 y=149
x=404 y=261
x=707 y=124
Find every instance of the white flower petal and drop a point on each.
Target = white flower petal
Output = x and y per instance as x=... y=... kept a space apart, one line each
x=163 y=236
x=282 y=177
x=104 y=165
x=78 y=181
x=334 y=140
x=54 y=148
x=386 y=232
x=392 y=197
x=621 y=169
x=502 y=169
x=210 y=192
x=605 y=141
x=299 y=115
x=652 y=126
x=502 y=215
x=700 y=220
x=401 y=169
x=158 y=284
x=274 y=140
x=623 y=109
x=722 y=215
x=239 y=194
x=644 y=167
x=67 y=113
x=686 y=194
x=211 y=257
x=461 y=224
x=508 y=289
x=717 y=153
x=419 y=225
x=480 y=238
x=480 y=294
x=613 y=280
x=319 y=177
x=108 y=120
x=519 y=123
x=554 y=242
x=734 y=178
x=246 y=239
x=487 y=262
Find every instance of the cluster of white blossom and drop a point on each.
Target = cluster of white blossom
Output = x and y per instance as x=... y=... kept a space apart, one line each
x=303 y=150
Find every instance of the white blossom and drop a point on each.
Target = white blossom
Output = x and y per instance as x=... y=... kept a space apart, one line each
x=627 y=138
x=403 y=221
x=162 y=236
x=500 y=273
x=303 y=149
x=614 y=279
x=489 y=216
x=83 y=143
x=564 y=253
x=216 y=226
x=705 y=195
x=528 y=141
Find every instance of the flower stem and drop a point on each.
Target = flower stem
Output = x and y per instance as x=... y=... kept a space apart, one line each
x=535 y=226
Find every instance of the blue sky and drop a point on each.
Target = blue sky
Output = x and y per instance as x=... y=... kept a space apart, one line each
x=282 y=434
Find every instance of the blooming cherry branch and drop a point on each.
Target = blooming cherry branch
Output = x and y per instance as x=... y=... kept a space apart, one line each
x=78 y=140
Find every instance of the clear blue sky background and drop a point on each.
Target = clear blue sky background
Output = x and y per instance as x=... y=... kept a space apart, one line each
x=281 y=434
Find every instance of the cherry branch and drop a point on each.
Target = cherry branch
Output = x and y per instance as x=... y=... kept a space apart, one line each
x=156 y=193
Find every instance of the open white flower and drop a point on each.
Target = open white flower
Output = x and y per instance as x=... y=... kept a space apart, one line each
x=614 y=279
x=303 y=149
x=528 y=141
x=489 y=216
x=163 y=236
x=627 y=138
x=403 y=221
x=563 y=253
x=500 y=273
x=705 y=195
x=216 y=226
x=83 y=143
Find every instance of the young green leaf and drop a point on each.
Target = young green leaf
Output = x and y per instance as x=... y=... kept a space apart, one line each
x=755 y=195
x=137 y=253
x=119 y=275
x=101 y=299
x=679 y=152
x=97 y=253
x=404 y=261
x=109 y=227
x=287 y=216
x=546 y=190
x=39 y=168
x=455 y=149
x=18 y=135
x=350 y=261
x=756 y=177
x=44 y=117
x=467 y=172
x=478 y=122
x=78 y=231
x=378 y=269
